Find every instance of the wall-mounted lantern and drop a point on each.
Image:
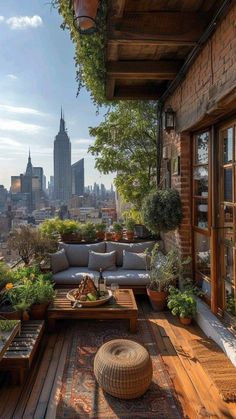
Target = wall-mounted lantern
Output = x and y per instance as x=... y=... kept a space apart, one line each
x=169 y=118
x=85 y=12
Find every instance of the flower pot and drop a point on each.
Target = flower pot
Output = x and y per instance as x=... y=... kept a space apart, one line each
x=157 y=299
x=87 y=9
x=118 y=236
x=185 y=320
x=130 y=235
x=100 y=235
x=25 y=316
x=71 y=237
x=38 y=311
x=7 y=312
x=108 y=235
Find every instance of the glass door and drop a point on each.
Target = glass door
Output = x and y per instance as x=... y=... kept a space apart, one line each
x=227 y=208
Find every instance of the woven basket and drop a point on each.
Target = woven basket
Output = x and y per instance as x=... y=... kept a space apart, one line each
x=123 y=368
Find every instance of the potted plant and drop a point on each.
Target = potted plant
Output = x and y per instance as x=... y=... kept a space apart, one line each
x=162 y=211
x=70 y=231
x=100 y=231
x=20 y=296
x=130 y=224
x=108 y=235
x=162 y=274
x=89 y=232
x=182 y=304
x=43 y=293
x=50 y=228
x=118 y=231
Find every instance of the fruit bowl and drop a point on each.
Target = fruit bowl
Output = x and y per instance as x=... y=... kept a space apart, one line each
x=102 y=300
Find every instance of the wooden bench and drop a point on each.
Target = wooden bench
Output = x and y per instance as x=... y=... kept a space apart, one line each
x=20 y=354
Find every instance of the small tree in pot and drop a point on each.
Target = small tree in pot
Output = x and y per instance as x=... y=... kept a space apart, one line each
x=100 y=230
x=118 y=230
x=130 y=224
x=182 y=304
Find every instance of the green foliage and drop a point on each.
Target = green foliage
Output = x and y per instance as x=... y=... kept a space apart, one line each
x=117 y=227
x=101 y=227
x=129 y=224
x=69 y=226
x=7 y=325
x=89 y=232
x=89 y=50
x=182 y=304
x=126 y=143
x=20 y=295
x=163 y=269
x=162 y=210
x=43 y=291
x=5 y=274
x=50 y=228
x=134 y=214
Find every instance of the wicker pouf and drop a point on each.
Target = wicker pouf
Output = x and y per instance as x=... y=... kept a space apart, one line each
x=123 y=368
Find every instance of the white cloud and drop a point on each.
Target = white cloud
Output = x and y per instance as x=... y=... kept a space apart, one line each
x=21 y=110
x=1 y=19
x=12 y=76
x=6 y=142
x=24 y=22
x=13 y=125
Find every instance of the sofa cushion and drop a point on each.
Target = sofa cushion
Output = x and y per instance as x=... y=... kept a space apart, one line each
x=104 y=261
x=130 y=247
x=127 y=277
x=59 y=261
x=73 y=275
x=135 y=261
x=78 y=254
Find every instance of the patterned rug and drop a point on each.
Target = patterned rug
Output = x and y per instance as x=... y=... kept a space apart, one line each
x=81 y=397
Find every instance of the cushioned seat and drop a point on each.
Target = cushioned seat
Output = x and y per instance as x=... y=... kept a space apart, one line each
x=126 y=277
x=72 y=275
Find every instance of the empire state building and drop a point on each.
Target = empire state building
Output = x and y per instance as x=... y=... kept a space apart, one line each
x=62 y=164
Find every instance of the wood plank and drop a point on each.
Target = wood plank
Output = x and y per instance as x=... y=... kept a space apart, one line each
x=147 y=70
x=6 y=338
x=162 y=26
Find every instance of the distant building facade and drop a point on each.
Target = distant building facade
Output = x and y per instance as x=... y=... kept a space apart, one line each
x=62 y=164
x=78 y=178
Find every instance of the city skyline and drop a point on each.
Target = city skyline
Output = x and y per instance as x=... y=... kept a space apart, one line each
x=37 y=77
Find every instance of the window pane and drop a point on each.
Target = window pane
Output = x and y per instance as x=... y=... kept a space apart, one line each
x=202 y=148
x=229 y=299
x=202 y=254
x=228 y=185
x=201 y=213
x=200 y=176
x=228 y=145
x=228 y=263
x=228 y=223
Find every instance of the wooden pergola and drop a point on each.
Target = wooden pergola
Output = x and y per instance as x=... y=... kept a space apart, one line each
x=150 y=42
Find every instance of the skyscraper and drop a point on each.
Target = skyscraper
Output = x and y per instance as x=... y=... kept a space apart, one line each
x=78 y=177
x=62 y=164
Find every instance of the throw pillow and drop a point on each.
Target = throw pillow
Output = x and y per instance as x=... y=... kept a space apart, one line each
x=130 y=247
x=59 y=261
x=134 y=261
x=105 y=261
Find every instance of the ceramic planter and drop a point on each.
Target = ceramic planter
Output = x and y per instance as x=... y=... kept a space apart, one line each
x=108 y=235
x=157 y=299
x=38 y=311
x=118 y=236
x=11 y=315
x=87 y=9
x=130 y=235
x=100 y=235
x=71 y=237
x=185 y=320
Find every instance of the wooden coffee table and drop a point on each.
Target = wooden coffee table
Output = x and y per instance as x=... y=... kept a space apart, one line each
x=123 y=307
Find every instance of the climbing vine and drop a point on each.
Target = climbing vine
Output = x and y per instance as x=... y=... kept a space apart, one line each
x=89 y=50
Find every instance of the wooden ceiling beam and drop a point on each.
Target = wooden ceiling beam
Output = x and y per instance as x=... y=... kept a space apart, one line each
x=148 y=70
x=147 y=92
x=182 y=27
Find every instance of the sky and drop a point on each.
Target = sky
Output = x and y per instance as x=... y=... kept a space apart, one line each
x=37 y=77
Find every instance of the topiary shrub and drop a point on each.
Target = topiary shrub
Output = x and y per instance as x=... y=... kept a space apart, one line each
x=162 y=210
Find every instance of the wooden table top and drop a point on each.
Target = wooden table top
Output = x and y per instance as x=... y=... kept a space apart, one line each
x=125 y=300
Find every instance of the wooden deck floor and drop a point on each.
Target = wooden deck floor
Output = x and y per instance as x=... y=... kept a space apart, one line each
x=38 y=397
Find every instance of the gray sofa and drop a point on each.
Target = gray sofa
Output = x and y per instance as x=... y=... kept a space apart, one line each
x=77 y=260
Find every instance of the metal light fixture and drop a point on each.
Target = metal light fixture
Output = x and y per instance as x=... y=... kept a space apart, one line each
x=85 y=12
x=169 y=118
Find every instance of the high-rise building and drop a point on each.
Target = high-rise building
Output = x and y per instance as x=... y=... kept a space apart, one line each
x=62 y=164
x=38 y=172
x=78 y=178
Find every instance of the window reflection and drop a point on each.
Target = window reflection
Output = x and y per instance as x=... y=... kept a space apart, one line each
x=202 y=148
x=202 y=254
x=228 y=145
x=228 y=185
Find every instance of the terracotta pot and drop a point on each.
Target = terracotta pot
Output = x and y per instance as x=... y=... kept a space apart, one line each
x=118 y=236
x=108 y=236
x=86 y=8
x=100 y=235
x=71 y=237
x=25 y=316
x=185 y=320
x=10 y=315
x=38 y=311
x=130 y=235
x=157 y=299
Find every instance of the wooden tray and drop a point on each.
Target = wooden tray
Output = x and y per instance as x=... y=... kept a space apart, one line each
x=70 y=296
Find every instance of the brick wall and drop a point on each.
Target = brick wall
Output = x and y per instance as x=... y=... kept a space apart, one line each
x=206 y=94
